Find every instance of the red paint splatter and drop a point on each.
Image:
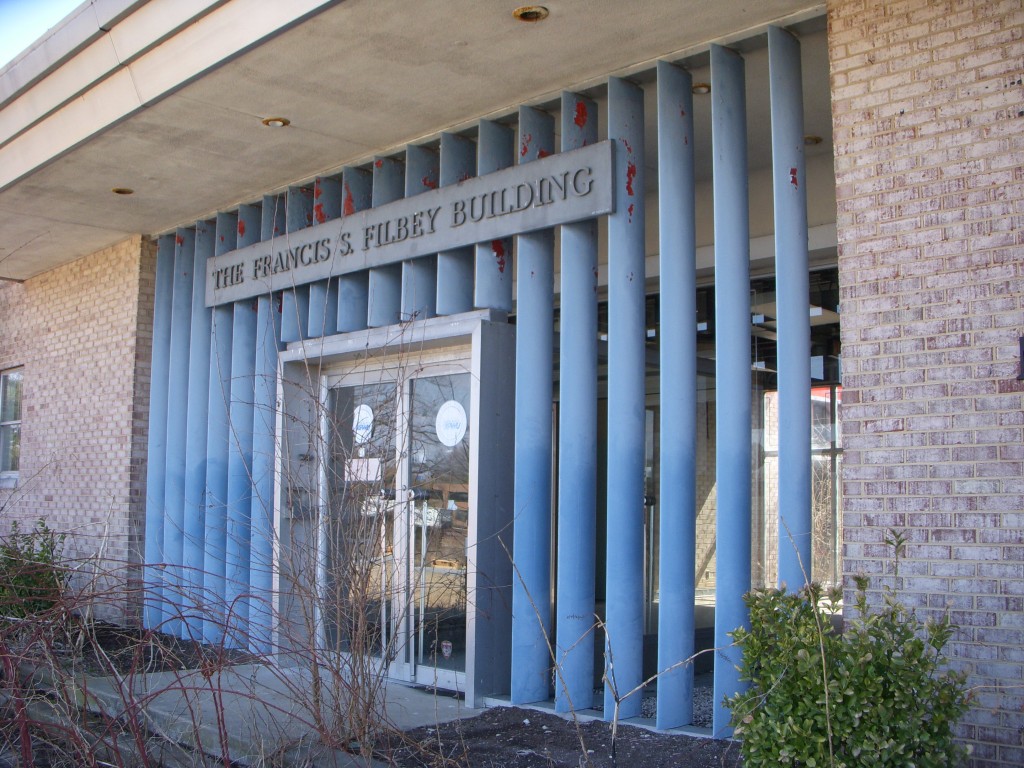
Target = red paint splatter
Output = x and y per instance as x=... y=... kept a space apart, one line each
x=543 y=153
x=277 y=230
x=379 y=164
x=792 y=177
x=626 y=144
x=318 y=211
x=630 y=211
x=581 y=114
x=630 y=175
x=241 y=228
x=682 y=112
x=179 y=239
x=429 y=182
x=350 y=203
x=317 y=191
x=526 y=144
x=499 y=253
x=222 y=238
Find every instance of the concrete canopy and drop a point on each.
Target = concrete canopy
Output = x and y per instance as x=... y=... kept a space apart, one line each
x=166 y=97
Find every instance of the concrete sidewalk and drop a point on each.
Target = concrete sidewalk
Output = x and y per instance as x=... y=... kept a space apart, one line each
x=255 y=714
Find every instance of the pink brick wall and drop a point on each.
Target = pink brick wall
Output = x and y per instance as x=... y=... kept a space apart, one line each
x=82 y=333
x=928 y=112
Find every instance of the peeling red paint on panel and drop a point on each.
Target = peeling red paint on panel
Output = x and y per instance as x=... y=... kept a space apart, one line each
x=630 y=175
x=526 y=144
x=792 y=177
x=350 y=203
x=543 y=153
x=241 y=228
x=581 y=114
x=317 y=191
x=429 y=182
x=625 y=143
x=318 y=211
x=499 y=253
x=630 y=210
x=222 y=238
x=277 y=230
x=179 y=239
x=379 y=164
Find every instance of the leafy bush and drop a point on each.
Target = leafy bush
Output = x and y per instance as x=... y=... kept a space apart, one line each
x=872 y=695
x=32 y=578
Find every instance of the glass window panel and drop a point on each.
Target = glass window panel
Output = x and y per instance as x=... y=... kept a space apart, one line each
x=10 y=447
x=10 y=396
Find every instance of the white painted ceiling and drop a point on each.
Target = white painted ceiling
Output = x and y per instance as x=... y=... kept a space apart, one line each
x=359 y=78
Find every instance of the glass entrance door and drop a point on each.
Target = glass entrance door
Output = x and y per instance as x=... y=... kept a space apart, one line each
x=398 y=517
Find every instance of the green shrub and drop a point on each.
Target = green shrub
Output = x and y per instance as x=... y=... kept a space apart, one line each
x=32 y=577
x=873 y=695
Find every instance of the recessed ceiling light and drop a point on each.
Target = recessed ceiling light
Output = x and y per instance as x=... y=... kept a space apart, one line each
x=701 y=89
x=810 y=141
x=276 y=122
x=123 y=191
x=530 y=13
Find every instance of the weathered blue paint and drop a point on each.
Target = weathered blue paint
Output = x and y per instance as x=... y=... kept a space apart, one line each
x=295 y=301
x=492 y=283
x=677 y=495
x=384 y=304
x=732 y=369
x=243 y=366
x=174 y=466
x=791 y=291
x=577 y=438
x=353 y=288
x=531 y=586
x=455 y=268
x=218 y=443
x=323 y=296
x=197 y=423
x=157 y=442
x=624 y=586
x=261 y=543
x=419 y=276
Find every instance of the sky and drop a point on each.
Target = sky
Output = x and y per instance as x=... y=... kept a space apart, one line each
x=22 y=22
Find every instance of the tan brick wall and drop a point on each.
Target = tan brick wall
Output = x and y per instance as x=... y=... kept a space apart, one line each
x=928 y=109
x=82 y=333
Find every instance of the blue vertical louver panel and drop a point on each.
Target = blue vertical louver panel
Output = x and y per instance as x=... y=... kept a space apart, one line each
x=455 y=268
x=384 y=304
x=239 y=506
x=218 y=442
x=295 y=301
x=419 y=276
x=197 y=423
x=791 y=297
x=577 y=437
x=677 y=495
x=323 y=294
x=493 y=260
x=157 y=442
x=177 y=398
x=261 y=543
x=624 y=589
x=531 y=590
x=732 y=369
x=353 y=288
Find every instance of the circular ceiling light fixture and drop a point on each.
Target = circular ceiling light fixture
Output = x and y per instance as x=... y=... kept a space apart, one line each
x=701 y=89
x=123 y=191
x=810 y=141
x=530 y=13
x=276 y=122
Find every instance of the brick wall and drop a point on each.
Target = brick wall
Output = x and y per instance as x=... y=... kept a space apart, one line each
x=82 y=333
x=928 y=109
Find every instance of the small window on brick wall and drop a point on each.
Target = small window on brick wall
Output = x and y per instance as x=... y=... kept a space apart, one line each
x=10 y=422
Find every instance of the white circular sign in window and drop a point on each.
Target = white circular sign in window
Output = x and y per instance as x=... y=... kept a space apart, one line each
x=362 y=424
x=451 y=423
